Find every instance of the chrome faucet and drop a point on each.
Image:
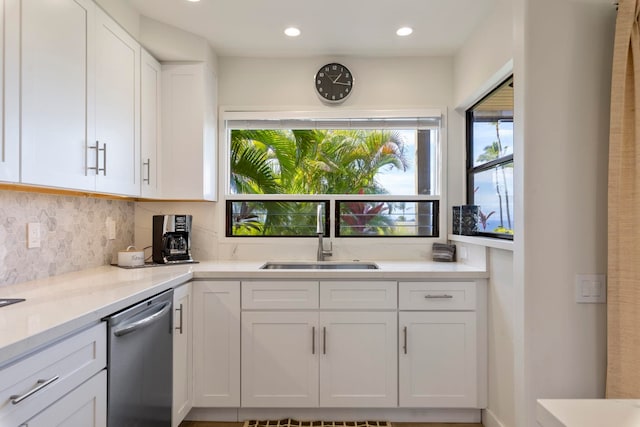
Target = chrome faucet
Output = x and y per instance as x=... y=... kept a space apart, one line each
x=320 y=231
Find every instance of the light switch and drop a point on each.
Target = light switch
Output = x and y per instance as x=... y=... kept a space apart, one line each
x=590 y=288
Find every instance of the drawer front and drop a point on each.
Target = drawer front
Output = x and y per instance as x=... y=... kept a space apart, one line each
x=33 y=383
x=358 y=295
x=437 y=295
x=257 y=295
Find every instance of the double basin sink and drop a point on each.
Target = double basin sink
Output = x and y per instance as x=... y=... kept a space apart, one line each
x=320 y=265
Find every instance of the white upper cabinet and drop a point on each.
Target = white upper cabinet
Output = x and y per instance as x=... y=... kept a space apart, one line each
x=54 y=72
x=9 y=142
x=74 y=93
x=150 y=85
x=117 y=108
x=189 y=97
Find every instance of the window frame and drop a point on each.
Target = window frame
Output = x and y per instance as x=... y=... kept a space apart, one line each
x=228 y=113
x=472 y=170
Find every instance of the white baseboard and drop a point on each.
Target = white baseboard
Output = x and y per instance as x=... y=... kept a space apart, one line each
x=489 y=419
x=417 y=415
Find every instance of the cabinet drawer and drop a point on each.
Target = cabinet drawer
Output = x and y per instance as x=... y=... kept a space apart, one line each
x=355 y=295
x=279 y=295
x=33 y=383
x=437 y=295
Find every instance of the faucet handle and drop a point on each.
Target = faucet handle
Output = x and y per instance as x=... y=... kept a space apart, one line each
x=328 y=252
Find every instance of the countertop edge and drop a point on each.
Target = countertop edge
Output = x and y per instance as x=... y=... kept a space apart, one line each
x=17 y=350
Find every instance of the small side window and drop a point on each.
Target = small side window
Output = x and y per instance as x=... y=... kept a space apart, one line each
x=490 y=161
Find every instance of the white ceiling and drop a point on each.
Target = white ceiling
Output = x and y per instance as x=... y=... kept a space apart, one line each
x=329 y=27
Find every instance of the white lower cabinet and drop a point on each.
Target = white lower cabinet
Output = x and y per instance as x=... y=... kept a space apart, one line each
x=438 y=359
x=315 y=358
x=339 y=344
x=358 y=363
x=216 y=343
x=86 y=406
x=64 y=384
x=182 y=355
x=442 y=327
x=279 y=359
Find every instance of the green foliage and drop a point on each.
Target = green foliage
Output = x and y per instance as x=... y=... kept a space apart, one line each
x=307 y=162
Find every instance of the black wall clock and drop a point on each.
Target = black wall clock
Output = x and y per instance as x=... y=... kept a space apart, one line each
x=334 y=83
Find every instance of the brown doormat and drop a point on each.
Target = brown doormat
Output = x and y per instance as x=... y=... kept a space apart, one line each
x=288 y=422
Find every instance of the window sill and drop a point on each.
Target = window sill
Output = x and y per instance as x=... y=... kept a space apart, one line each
x=488 y=242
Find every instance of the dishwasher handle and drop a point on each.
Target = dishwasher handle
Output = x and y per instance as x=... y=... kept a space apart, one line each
x=127 y=328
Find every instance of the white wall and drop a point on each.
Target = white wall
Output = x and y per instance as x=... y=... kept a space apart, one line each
x=169 y=44
x=484 y=54
x=124 y=14
x=485 y=61
x=379 y=83
x=562 y=67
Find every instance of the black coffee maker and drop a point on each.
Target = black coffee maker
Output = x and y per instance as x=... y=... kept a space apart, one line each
x=172 y=239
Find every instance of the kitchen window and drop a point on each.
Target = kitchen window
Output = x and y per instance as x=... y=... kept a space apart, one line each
x=372 y=177
x=490 y=161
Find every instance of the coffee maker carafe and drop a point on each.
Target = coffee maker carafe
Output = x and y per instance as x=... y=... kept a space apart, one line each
x=172 y=239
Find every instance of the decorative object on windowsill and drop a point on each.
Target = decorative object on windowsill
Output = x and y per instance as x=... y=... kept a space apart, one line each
x=465 y=220
x=443 y=252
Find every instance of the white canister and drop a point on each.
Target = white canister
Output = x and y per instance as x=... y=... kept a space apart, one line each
x=131 y=257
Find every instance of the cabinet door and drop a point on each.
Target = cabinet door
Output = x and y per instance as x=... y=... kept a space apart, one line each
x=438 y=359
x=55 y=80
x=150 y=81
x=279 y=359
x=86 y=406
x=117 y=108
x=182 y=355
x=9 y=100
x=358 y=361
x=189 y=124
x=216 y=329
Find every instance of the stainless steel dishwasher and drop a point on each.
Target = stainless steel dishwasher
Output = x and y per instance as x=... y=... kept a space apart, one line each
x=140 y=358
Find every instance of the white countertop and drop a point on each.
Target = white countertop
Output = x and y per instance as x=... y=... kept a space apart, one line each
x=58 y=305
x=588 y=412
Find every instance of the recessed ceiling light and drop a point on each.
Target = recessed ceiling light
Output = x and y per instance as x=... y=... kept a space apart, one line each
x=292 y=32
x=193 y=1
x=404 y=31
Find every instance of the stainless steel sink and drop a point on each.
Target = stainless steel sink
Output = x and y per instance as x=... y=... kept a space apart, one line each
x=320 y=265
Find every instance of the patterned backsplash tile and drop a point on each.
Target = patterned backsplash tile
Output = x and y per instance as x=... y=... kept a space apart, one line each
x=73 y=234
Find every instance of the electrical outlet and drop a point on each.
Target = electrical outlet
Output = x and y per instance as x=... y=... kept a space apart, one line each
x=111 y=229
x=33 y=235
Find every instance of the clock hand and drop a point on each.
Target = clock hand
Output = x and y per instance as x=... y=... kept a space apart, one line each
x=337 y=78
x=342 y=83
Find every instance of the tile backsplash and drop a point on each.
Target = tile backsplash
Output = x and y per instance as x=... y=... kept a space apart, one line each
x=73 y=234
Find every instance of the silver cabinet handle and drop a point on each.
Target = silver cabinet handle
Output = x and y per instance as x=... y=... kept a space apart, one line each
x=127 y=328
x=16 y=398
x=104 y=158
x=95 y=147
x=313 y=340
x=324 y=340
x=445 y=296
x=179 y=328
x=148 y=178
x=404 y=347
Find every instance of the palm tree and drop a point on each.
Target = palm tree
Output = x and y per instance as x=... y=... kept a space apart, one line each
x=493 y=152
x=311 y=162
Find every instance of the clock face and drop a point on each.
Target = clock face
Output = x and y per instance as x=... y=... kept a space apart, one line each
x=334 y=83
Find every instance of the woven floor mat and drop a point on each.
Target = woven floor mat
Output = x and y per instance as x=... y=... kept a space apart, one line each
x=288 y=422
